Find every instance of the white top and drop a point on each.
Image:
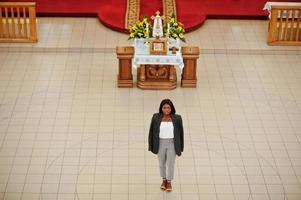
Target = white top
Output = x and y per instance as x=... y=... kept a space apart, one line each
x=166 y=130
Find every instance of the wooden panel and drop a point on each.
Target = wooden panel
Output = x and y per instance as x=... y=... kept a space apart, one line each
x=297 y=36
x=125 y=77
x=18 y=22
x=190 y=51
x=12 y=13
x=189 y=73
x=125 y=69
x=24 y=23
x=156 y=77
x=284 y=25
x=6 y=23
x=292 y=25
x=32 y=22
x=1 y=24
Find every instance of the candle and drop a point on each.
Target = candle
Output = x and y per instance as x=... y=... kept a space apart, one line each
x=168 y=27
x=147 y=30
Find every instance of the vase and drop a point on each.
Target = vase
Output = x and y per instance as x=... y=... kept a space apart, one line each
x=174 y=43
x=140 y=46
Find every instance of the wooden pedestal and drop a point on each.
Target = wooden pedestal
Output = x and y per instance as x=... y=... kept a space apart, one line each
x=125 y=77
x=157 y=77
x=190 y=56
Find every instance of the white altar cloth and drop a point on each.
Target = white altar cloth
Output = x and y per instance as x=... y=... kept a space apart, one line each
x=142 y=56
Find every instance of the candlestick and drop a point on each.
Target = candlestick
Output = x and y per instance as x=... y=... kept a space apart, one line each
x=147 y=30
x=168 y=27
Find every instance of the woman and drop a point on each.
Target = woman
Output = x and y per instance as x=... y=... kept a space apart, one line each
x=166 y=139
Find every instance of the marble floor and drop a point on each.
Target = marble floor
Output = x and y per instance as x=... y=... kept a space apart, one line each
x=67 y=131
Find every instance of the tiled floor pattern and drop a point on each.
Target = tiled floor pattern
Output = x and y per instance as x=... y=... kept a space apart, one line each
x=67 y=131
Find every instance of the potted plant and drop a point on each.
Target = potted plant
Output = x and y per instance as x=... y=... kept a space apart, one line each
x=174 y=31
x=140 y=29
x=140 y=32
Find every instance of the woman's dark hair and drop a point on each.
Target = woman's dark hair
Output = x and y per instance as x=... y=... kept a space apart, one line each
x=167 y=101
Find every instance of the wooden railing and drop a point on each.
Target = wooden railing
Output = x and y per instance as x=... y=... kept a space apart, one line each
x=285 y=25
x=18 y=22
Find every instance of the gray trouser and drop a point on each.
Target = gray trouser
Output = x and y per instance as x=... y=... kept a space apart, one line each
x=166 y=157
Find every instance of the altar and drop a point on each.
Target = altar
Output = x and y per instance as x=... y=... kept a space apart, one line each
x=160 y=76
x=156 y=58
x=156 y=71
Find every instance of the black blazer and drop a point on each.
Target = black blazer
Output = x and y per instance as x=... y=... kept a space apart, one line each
x=153 y=137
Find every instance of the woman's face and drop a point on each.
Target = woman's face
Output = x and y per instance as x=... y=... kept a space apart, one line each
x=166 y=109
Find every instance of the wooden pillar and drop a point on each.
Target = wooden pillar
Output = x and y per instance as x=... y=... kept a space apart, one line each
x=190 y=56
x=32 y=22
x=273 y=26
x=125 y=77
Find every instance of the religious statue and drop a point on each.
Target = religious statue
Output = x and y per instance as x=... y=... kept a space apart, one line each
x=157 y=26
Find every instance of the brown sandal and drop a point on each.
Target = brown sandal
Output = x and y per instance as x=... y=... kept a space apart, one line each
x=168 y=186
x=163 y=184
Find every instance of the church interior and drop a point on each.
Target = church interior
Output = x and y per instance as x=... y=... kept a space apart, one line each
x=77 y=96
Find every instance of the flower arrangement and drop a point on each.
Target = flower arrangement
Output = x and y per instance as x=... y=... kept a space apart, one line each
x=171 y=29
x=174 y=29
x=141 y=29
